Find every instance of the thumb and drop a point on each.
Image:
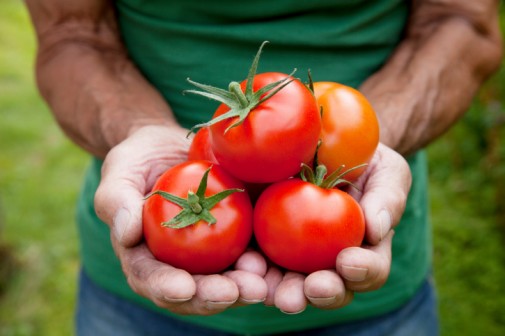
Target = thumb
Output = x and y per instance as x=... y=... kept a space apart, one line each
x=119 y=201
x=129 y=171
x=385 y=193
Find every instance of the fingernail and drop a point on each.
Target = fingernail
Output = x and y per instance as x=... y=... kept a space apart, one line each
x=251 y=301
x=121 y=223
x=384 y=223
x=218 y=305
x=354 y=273
x=172 y=300
x=292 y=313
x=321 y=302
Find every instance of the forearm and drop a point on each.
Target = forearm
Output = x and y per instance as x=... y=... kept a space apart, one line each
x=95 y=92
x=430 y=80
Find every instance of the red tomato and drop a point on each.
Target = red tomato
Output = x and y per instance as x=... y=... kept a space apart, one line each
x=274 y=139
x=200 y=248
x=350 y=129
x=265 y=127
x=302 y=227
x=200 y=148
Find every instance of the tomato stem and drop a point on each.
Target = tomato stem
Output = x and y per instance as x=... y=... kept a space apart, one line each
x=196 y=206
x=321 y=172
x=235 y=88
x=310 y=85
x=194 y=202
x=320 y=178
x=241 y=103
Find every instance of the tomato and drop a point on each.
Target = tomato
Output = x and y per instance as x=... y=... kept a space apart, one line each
x=200 y=148
x=350 y=129
x=275 y=138
x=265 y=127
x=302 y=227
x=196 y=244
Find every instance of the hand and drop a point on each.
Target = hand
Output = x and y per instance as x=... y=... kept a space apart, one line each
x=384 y=189
x=128 y=174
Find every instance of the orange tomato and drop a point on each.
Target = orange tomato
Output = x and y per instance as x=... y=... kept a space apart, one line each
x=350 y=128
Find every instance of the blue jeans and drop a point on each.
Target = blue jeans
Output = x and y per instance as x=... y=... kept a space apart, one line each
x=100 y=313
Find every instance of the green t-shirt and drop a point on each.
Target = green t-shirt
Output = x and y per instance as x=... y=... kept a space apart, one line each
x=214 y=42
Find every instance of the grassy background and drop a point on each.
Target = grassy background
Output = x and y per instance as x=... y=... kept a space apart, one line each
x=41 y=172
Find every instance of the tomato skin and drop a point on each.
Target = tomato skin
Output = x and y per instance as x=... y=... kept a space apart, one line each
x=303 y=227
x=276 y=137
x=200 y=148
x=200 y=248
x=350 y=128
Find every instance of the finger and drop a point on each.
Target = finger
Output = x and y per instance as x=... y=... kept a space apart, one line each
x=174 y=289
x=384 y=194
x=252 y=287
x=161 y=283
x=252 y=262
x=215 y=293
x=366 y=269
x=325 y=289
x=289 y=295
x=273 y=278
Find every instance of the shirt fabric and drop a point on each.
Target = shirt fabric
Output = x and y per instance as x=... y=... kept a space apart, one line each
x=214 y=43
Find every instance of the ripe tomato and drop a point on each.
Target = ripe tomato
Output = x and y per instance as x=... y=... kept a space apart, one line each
x=302 y=227
x=202 y=247
x=265 y=127
x=200 y=148
x=350 y=129
x=276 y=137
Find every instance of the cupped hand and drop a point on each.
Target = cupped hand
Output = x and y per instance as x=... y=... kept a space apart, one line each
x=128 y=174
x=382 y=193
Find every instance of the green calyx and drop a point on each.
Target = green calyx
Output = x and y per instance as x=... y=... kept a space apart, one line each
x=320 y=179
x=196 y=206
x=240 y=103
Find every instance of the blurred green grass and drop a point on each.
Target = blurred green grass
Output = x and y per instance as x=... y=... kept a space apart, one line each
x=467 y=184
x=41 y=172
